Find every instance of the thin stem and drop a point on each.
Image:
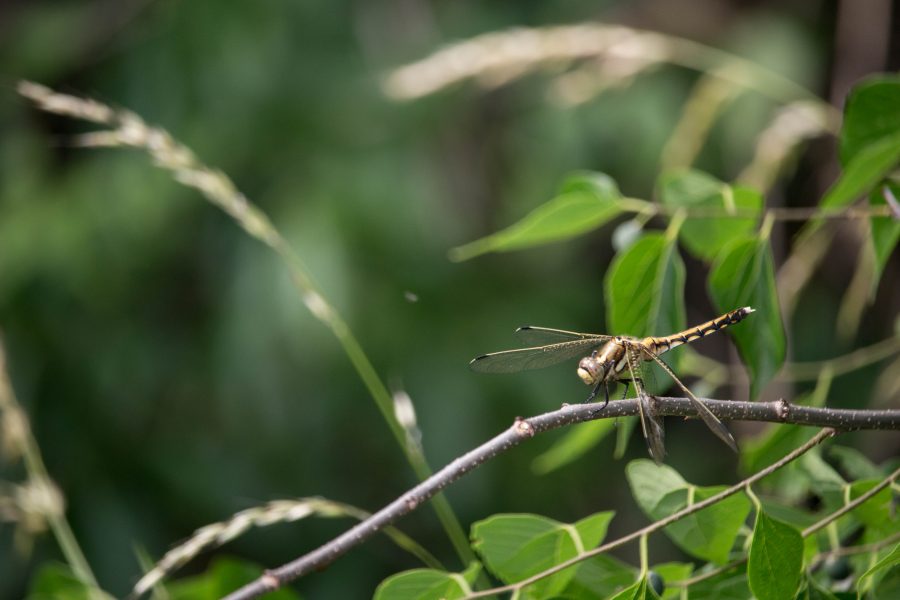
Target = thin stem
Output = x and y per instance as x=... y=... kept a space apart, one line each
x=779 y=412
x=816 y=440
x=645 y=556
x=851 y=361
x=851 y=505
x=812 y=529
x=38 y=475
x=777 y=213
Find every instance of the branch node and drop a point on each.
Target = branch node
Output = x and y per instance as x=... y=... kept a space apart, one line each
x=523 y=427
x=783 y=409
x=412 y=502
x=270 y=581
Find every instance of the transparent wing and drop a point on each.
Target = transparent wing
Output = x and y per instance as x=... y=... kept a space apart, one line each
x=538 y=336
x=651 y=425
x=711 y=420
x=538 y=357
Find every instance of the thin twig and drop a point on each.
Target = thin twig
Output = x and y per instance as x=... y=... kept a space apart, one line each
x=873 y=547
x=657 y=525
x=776 y=213
x=851 y=505
x=778 y=411
x=861 y=357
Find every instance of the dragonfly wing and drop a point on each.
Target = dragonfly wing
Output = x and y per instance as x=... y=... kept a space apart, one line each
x=538 y=336
x=538 y=357
x=651 y=424
x=711 y=420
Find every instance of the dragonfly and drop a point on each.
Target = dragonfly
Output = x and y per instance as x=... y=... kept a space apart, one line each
x=605 y=360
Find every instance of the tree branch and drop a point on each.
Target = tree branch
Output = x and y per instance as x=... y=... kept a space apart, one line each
x=778 y=411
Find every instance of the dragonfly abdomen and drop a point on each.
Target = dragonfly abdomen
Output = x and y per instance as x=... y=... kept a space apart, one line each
x=663 y=344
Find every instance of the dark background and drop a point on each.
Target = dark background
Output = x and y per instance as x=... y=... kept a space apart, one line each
x=172 y=375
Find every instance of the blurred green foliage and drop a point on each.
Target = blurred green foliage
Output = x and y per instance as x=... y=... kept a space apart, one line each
x=170 y=371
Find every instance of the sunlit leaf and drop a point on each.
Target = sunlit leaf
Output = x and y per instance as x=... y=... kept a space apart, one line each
x=705 y=237
x=585 y=202
x=744 y=275
x=427 y=584
x=650 y=483
x=708 y=534
x=600 y=576
x=572 y=445
x=775 y=563
x=516 y=546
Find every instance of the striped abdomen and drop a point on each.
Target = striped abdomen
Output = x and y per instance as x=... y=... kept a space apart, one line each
x=658 y=345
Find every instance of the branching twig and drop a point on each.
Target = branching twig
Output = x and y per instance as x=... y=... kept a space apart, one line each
x=875 y=546
x=851 y=505
x=657 y=525
x=778 y=411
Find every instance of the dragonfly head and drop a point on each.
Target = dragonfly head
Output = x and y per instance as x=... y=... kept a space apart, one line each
x=591 y=370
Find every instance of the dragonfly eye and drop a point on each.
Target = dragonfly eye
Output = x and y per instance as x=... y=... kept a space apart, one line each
x=590 y=370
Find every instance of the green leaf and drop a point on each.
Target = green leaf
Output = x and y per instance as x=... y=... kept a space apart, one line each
x=223 y=577
x=636 y=591
x=671 y=572
x=572 y=445
x=877 y=512
x=892 y=559
x=872 y=111
x=56 y=580
x=425 y=584
x=645 y=288
x=650 y=483
x=867 y=167
x=775 y=563
x=599 y=577
x=885 y=231
x=708 y=534
x=705 y=237
x=853 y=462
x=744 y=275
x=814 y=591
x=772 y=444
x=731 y=585
x=516 y=546
x=586 y=202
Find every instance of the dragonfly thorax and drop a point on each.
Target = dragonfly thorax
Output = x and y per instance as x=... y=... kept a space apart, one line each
x=604 y=364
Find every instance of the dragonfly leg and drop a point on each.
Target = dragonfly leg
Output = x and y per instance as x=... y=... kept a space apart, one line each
x=596 y=391
x=627 y=382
